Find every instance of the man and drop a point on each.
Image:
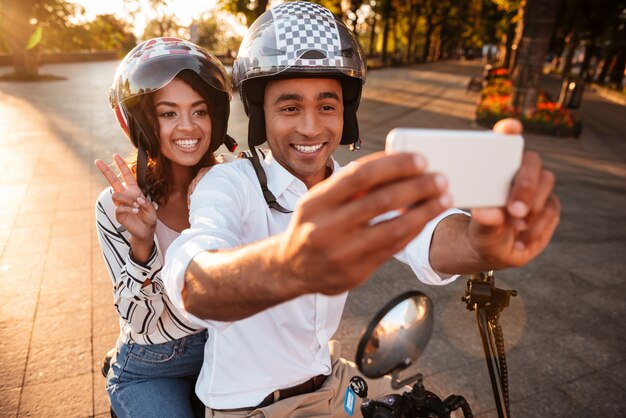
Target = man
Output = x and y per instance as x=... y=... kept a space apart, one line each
x=274 y=245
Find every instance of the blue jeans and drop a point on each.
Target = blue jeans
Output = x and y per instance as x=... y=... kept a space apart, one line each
x=157 y=380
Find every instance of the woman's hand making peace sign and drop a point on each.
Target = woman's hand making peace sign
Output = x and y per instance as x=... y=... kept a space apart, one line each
x=133 y=211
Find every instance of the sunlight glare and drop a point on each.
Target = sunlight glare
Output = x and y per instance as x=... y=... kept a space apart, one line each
x=185 y=10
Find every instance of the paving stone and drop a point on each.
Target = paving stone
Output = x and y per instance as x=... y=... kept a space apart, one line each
x=72 y=220
x=550 y=403
x=63 y=254
x=51 y=362
x=616 y=372
x=102 y=296
x=608 y=303
x=101 y=345
x=40 y=197
x=12 y=196
x=9 y=401
x=105 y=321
x=14 y=343
x=67 y=277
x=596 y=393
x=76 y=299
x=599 y=347
x=66 y=397
x=24 y=242
x=40 y=222
x=440 y=356
x=22 y=269
x=538 y=367
x=51 y=329
x=21 y=307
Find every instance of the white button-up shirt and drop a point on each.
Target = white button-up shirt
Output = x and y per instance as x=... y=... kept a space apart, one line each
x=286 y=344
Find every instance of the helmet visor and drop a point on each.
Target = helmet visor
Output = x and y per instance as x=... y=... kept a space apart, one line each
x=152 y=68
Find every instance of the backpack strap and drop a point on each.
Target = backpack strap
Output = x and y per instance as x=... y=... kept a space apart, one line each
x=253 y=156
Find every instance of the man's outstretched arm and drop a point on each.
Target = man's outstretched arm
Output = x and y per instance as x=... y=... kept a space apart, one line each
x=330 y=245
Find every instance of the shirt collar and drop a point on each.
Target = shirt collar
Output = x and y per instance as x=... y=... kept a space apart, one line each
x=279 y=179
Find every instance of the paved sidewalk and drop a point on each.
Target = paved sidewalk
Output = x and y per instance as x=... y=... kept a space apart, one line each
x=565 y=333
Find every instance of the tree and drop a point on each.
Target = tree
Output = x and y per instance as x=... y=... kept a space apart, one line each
x=539 y=17
x=22 y=18
x=435 y=13
x=164 y=24
x=413 y=17
x=617 y=72
x=109 y=33
x=388 y=11
x=251 y=9
x=349 y=10
x=216 y=34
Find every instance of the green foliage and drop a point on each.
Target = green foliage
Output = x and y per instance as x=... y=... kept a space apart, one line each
x=251 y=9
x=333 y=5
x=215 y=34
x=35 y=38
x=166 y=25
x=51 y=29
x=109 y=33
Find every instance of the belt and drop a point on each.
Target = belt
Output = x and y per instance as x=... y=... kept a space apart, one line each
x=309 y=386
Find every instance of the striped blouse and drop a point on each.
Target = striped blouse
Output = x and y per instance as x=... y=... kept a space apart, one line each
x=147 y=316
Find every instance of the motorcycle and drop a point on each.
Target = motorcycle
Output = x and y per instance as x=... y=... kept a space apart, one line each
x=399 y=333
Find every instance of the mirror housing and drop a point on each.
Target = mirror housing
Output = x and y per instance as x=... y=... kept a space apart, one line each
x=396 y=336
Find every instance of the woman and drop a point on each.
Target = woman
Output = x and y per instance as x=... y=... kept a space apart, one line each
x=171 y=99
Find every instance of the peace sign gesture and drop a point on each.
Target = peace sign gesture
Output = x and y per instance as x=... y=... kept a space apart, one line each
x=133 y=211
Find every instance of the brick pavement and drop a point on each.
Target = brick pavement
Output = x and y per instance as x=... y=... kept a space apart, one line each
x=565 y=332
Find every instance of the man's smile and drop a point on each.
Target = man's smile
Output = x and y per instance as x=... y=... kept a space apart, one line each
x=307 y=149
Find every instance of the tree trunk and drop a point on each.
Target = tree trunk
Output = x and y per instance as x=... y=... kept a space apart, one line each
x=569 y=56
x=17 y=18
x=510 y=34
x=386 y=15
x=617 y=73
x=373 y=36
x=517 y=39
x=609 y=61
x=427 y=41
x=411 y=34
x=585 y=67
x=252 y=14
x=396 y=41
x=539 y=17
x=261 y=6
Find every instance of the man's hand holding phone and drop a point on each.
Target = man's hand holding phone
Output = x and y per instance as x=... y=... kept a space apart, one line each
x=508 y=231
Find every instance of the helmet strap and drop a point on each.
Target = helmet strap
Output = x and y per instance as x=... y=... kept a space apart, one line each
x=137 y=132
x=142 y=168
x=269 y=197
x=230 y=143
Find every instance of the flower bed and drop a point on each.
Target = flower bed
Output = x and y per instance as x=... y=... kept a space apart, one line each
x=547 y=119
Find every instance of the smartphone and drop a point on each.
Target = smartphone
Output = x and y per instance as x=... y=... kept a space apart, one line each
x=479 y=165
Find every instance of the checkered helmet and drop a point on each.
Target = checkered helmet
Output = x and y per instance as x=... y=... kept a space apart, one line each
x=299 y=39
x=150 y=66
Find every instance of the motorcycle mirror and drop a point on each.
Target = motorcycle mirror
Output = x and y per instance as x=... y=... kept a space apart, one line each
x=396 y=336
